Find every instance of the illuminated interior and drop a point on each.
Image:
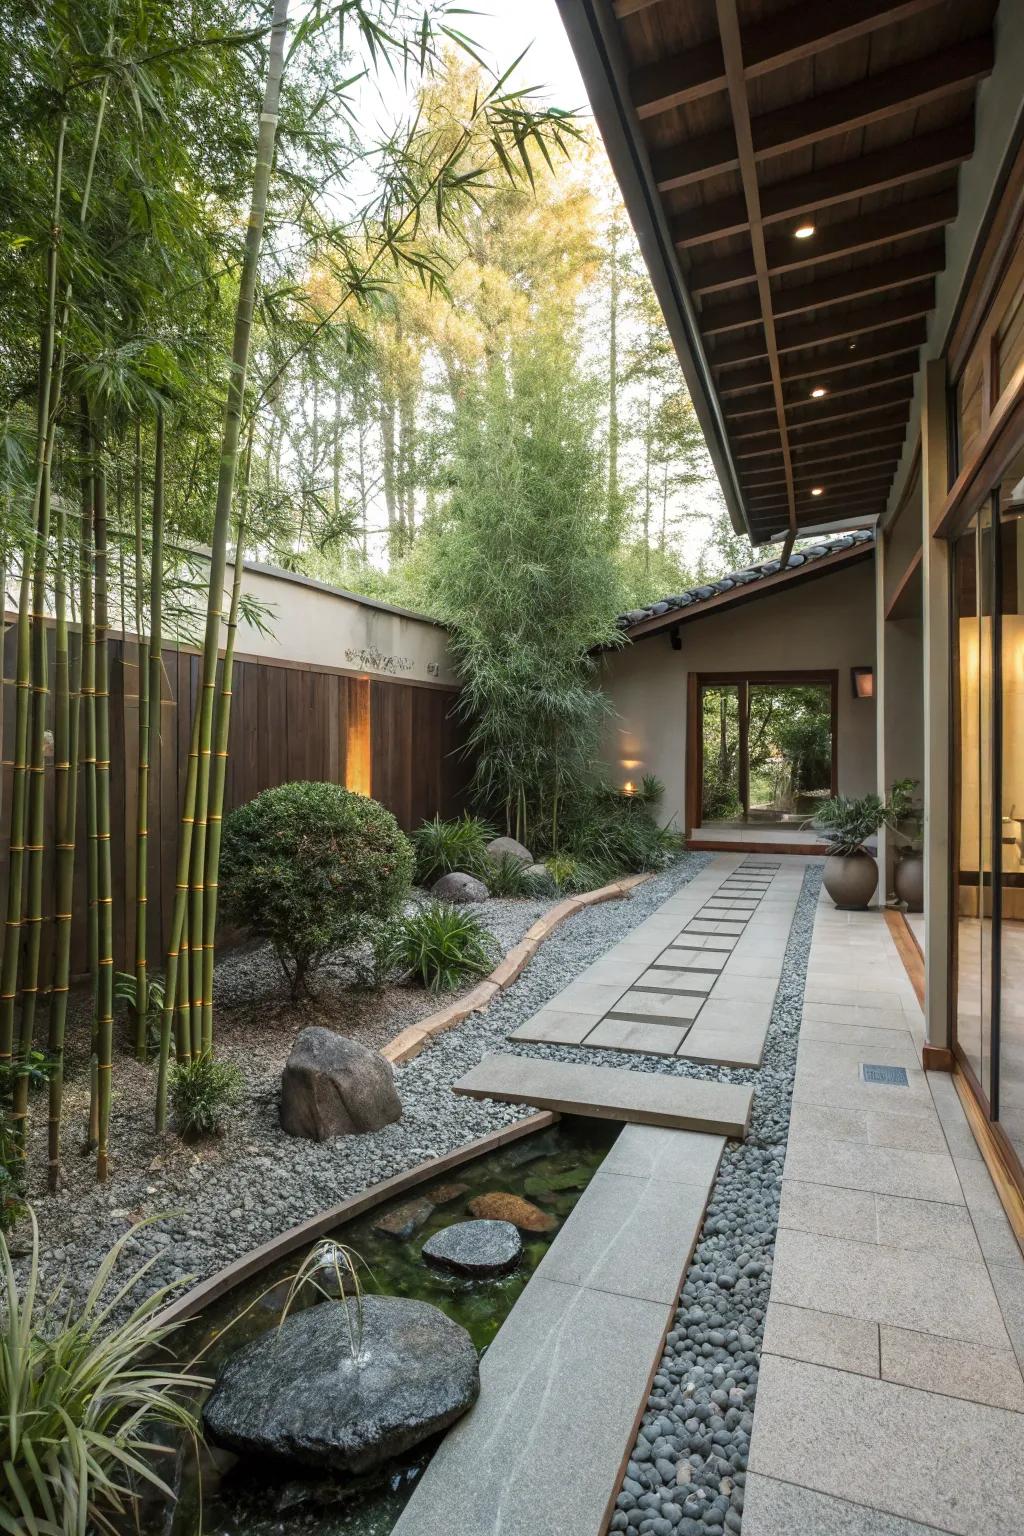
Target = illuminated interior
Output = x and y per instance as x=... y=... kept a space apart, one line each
x=358 y=771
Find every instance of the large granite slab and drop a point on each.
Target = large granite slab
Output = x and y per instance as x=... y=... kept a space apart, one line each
x=611 y=1093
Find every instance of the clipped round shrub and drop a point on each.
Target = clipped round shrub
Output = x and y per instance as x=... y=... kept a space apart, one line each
x=313 y=868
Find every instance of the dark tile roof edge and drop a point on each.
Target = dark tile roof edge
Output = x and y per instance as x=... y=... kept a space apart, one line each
x=748 y=577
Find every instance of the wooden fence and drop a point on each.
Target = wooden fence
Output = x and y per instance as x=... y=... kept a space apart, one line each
x=393 y=740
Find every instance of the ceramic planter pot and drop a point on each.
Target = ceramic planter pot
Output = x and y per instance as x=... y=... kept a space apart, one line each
x=908 y=881
x=850 y=879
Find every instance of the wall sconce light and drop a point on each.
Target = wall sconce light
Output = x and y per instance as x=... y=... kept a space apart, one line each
x=629 y=788
x=862 y=680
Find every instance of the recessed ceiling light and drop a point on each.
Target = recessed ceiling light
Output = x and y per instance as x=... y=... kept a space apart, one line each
x=818 y=391
x=804 y=231
x=817 y=490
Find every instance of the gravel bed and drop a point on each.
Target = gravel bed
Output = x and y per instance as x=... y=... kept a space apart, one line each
x=215 y=1202
x=687 y=1472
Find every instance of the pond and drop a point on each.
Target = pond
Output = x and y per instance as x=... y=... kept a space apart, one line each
x=224 y=1496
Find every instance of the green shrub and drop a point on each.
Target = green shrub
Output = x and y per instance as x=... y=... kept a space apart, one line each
x=616 y=834
x=441 y=944
x=313 y=868
x=509 y=876
x=38 y=1068
x=573 y=876
x=82 y=1401
x=202 y=1092
x=444 y=846
x=846 y=823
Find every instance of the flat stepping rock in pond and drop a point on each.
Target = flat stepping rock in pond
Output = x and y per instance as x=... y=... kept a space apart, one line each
x=444 y=1194
x=405 y=1219
x=500 y=1206
x=296 y=1395
x=477 y=1248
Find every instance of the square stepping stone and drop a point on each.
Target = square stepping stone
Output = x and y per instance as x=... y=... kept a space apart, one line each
x=611 y=1093
x=669 y=1007
x=664 y=979
x=680 y=958
x=650 y=1037
x=556 y=1026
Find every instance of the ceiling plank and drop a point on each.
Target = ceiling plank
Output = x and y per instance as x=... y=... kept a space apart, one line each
x=892 y=419
x=747 y=430
x=894 y=166
x=906 y=88
x=798 y=33
x=871 y=472
x=731 y=314
x=831 y=241
x=837 y=325
x=850 y=384
x=830 y=360
x=732 y=51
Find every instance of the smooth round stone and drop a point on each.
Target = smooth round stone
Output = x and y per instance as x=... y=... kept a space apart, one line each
x=476 y=1248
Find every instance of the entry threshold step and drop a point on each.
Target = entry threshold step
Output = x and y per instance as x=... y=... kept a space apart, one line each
x=611 y=1093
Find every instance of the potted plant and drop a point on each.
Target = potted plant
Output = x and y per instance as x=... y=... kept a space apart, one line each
x=906 y=820
x=851 y=873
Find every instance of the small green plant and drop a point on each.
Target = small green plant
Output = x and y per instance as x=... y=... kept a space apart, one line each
x=905 y=814
x=125 y=991
x=572 y=876
x=509 y=876
x=441 y=944
x=38 y=1068
x=846 y=823
x=203 y=1090
x=82 y=1400
x=443 y=846
x=312 y=867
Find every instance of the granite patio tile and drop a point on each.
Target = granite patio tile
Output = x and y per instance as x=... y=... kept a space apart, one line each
x=654 y=1152
x=847 y=1013
x=913 y=1454
x=556 y=1026
x=670 y=1007
x=823 y=991
x=727 y=1047
x=882 y=1170
x=666 y=979
x=774 y=1508
x=927 y=1224
x=823 y=1338
x=745 y=988
x=864 y=1035
x=736 y=1013
x=589 y=996
x=652 y=1037
x=952 y=1368
x=682 y=957
x=809 y=1207
x=906 y=1288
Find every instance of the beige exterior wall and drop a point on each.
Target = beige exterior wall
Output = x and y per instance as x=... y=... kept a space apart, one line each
x=819 y=624
x=324 y=626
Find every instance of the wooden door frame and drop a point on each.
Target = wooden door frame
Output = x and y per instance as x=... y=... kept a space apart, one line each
x=696 y=682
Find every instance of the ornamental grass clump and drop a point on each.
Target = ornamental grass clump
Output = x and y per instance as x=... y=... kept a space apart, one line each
x=846 y=823
x=314 y=868
x=508 y=876
x=203 y=1092
x=440 y=945
x=442 y=847
x=85 y=1401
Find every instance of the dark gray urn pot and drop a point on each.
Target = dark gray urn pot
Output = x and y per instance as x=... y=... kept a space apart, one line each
x=296 y=1395
x=908 y=881
x=850 y=879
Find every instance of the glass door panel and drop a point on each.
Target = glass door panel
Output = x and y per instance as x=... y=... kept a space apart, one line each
x=720 y=769
x=1010 y=1091
x=968 y=852
x=789 y=750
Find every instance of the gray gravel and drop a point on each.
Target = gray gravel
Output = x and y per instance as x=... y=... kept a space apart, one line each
x=227 y=1197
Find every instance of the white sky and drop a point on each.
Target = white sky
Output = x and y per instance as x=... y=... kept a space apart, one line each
x=505 y=28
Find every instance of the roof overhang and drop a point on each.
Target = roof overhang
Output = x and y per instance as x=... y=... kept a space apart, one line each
x=730 y=124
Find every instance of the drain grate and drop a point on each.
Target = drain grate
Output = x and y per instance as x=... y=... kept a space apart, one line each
x=895 y=1076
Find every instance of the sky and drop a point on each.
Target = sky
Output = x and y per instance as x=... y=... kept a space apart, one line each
x=507 y=27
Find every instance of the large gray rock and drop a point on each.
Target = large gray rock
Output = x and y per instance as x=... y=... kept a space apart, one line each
x=500 y=846
x=297 y=1395
x=477 y=1248
x=459 y=887
x=336 y=1087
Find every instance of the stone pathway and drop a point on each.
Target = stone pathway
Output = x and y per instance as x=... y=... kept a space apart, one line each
x=696 y=980
x=890 y=1400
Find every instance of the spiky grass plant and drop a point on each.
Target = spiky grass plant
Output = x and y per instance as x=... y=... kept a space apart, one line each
x=509 y=876
x=441 y=944
x=83 y=1398
x=444 y=846
x=203 y=1090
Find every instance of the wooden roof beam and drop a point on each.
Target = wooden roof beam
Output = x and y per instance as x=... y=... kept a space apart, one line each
x=831 y=241
x=858 y=481
x=828 y=432
x=848 y=385
x=797 y=33
x=850 y=462
x=732 y=314
x=894 y=166
x=829 y=360
x=836 y=326
x=865 y=472
x=903 y=89
x=823 y=410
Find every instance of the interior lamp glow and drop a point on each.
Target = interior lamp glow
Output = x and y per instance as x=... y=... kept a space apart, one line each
x=817 y=490
x=804 y=231
x=629 y=788
x=862 y=680
x=818 y=391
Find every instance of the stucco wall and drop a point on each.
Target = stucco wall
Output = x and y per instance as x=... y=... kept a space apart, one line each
x=322 y=625
x=819 y=624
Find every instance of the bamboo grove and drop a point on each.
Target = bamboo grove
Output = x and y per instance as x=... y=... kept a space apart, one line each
x=193 y=215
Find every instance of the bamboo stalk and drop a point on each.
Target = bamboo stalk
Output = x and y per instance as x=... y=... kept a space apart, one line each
x=177 y=934
x=104 y=882
x=88 y=705
x=142 y=777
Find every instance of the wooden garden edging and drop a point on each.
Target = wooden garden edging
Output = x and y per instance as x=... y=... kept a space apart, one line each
x=411 y=1041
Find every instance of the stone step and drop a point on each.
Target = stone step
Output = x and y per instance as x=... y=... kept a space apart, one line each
x=611 y=1093
x=564 y=1384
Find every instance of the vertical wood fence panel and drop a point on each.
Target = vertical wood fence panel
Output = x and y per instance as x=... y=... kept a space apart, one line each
x=396 y=741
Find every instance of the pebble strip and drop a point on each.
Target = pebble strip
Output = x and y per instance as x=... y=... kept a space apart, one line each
x=687 y=1472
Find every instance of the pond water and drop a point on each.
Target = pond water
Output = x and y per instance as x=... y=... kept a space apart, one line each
x=221 y=1495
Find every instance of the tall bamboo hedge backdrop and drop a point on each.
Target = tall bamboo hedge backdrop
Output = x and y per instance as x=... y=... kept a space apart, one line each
x=192 y=210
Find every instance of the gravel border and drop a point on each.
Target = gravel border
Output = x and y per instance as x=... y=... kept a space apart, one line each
x=215 y=1203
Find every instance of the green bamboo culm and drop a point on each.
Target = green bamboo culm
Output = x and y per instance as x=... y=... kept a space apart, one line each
x=65 y=752
x=142 y=772
x=87 y=706
x=9 y=966
x=104 y=881
x=177 y=951
x=192 y=834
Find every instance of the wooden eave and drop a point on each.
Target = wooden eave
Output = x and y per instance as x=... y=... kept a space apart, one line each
x=746 y=119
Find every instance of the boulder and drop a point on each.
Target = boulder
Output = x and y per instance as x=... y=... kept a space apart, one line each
x=301 y=1394
x=540 y=873
x=502 y=845
x=476 y=1248
x=336 y=1087
x=459 y=887
x=512 y=1208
